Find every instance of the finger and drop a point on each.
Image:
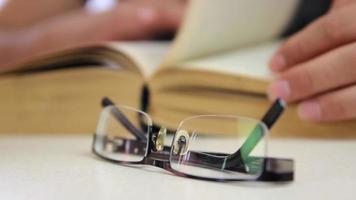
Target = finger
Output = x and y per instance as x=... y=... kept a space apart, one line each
x=132 y=20
x=333 y=106
x=337 y=4
x=126 y=22
x=327 y=72
x=170 y=13
x=333 y=30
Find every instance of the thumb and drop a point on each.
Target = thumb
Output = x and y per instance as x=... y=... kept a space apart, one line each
x=328 y=32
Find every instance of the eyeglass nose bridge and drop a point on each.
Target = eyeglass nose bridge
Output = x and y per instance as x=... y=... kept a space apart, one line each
x=181 y=143
x=159 y=138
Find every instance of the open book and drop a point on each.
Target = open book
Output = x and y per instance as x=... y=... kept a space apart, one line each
x=215 y=65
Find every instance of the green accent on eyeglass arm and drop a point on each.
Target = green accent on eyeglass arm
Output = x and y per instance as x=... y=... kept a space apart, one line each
x=251 y=142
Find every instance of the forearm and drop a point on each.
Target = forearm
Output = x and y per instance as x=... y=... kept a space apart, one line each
x=14 y=46
x=20 y=13
x=132 y=20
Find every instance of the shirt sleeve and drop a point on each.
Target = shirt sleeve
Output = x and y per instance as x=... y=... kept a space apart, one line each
x=307 y=11
x=100 y=5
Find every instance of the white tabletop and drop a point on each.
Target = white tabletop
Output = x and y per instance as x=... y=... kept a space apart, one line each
x=63 y=167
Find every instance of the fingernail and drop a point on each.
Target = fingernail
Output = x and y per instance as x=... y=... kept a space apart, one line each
x=279 y=89
x=146 y=14
x=309 y=110
x=278 y=62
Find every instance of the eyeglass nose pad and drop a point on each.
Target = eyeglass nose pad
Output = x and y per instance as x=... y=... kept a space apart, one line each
x=181 y=143
x=160 y=139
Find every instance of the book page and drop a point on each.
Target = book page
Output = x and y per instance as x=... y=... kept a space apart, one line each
x=250 y=62
x=212 y=26
x=145 y=54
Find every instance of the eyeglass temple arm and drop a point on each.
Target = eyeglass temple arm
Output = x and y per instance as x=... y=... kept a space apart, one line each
x=269 y=119
x=273 y=114
x=140 y=135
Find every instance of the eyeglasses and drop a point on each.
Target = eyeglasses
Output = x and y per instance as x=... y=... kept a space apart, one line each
x=206 y=147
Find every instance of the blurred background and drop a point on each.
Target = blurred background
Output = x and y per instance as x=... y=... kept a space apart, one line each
x=93 y=5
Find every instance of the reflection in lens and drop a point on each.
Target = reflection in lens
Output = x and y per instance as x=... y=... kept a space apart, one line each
x=115 y=138
x=233 y=150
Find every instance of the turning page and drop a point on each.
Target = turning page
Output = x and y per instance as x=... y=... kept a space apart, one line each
x=212 y=26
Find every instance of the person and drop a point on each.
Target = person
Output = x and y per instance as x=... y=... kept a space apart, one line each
x=317 y=66
x=30 y=28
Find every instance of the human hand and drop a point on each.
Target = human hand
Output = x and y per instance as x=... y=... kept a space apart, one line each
x=130 y=20
x=317 y=66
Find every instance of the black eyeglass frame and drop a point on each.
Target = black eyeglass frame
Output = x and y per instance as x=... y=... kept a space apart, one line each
x=274 y=169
